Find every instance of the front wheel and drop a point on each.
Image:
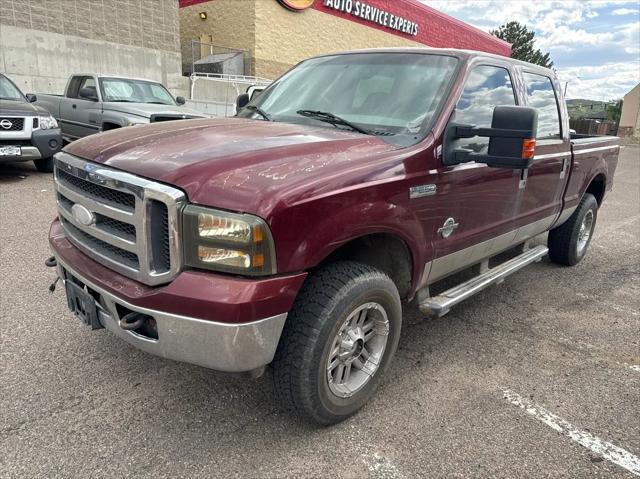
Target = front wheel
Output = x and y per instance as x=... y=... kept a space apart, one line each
x=44 y=165
x=568 y=242
x=338 y=341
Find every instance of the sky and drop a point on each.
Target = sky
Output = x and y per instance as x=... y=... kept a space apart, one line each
x=594 y=44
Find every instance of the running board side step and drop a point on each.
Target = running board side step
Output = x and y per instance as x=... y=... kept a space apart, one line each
x=440 y=305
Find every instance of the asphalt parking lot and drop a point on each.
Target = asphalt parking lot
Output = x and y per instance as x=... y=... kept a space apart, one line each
x=537 y=377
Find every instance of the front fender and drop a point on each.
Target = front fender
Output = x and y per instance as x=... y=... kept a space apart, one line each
x=329 y=232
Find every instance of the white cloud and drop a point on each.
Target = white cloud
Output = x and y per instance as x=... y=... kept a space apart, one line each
x=623 y=38
x=603 y=82
x=542 y=15
x=573 y=30
x=625 y=11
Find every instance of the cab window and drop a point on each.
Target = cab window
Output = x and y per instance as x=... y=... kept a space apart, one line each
x=542 y=97
x=89 y=83
x=74 y=87
x=486 y=87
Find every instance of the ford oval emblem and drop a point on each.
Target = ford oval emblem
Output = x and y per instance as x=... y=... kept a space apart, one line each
x=83 y=215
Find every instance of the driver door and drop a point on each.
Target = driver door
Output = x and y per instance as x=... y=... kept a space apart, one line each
x=81 y=116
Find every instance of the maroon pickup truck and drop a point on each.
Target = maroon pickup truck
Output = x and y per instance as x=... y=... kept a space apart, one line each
x=291 y=234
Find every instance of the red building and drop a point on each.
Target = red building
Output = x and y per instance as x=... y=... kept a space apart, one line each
x=279 y=33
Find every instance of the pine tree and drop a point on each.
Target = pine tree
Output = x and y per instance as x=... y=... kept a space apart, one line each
x=521 y=39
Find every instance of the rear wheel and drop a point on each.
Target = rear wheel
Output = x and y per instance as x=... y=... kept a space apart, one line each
x=568 y=242
x=44 y=165
x=338 y=341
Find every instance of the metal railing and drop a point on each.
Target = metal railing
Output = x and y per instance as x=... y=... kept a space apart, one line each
x=216 y=93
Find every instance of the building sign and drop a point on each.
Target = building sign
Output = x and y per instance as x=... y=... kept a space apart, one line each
x=297 y=5
x=369 y=13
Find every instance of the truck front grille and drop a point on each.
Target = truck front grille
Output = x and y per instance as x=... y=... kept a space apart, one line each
x=11 y=123
x=157 y=117
x=101 y=247
x=97 y=192
x=125 y=222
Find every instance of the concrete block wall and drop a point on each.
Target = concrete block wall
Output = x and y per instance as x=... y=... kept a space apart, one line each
x=43 y=42
x=283 y=37
x=229 y=23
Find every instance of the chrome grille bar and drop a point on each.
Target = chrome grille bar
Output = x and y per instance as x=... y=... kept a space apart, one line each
x=134 y=224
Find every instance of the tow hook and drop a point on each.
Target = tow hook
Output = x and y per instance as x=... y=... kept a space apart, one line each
x=52 y=263
x=133 y=321
x=52 y=286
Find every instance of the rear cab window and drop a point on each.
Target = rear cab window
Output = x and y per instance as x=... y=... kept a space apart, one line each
x=542 y=96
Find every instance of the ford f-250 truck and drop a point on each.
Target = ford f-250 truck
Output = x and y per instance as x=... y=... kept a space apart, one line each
x=290 y=234
x=95 y=103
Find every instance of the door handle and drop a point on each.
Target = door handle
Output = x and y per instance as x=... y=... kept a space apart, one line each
x=565 y=167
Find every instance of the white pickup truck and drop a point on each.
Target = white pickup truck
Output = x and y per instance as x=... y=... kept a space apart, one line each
x=94 y=103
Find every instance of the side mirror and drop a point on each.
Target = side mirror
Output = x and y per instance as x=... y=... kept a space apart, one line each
x=242 y=101
x=254 y=90
x=511 y=139
x=180 y=100
x=88 y=94
x=31 y=97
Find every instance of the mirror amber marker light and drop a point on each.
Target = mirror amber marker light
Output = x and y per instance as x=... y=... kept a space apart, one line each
x=528 y=148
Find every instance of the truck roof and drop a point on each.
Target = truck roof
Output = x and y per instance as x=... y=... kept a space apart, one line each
x=106 y=75
x=462 y=54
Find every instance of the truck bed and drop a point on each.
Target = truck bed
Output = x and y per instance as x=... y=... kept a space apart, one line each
x=51 y=103
x=593 y=157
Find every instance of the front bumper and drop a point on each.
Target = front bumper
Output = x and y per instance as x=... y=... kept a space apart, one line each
x=27 y=153
x=44 y=144
x=48 y=142
x=224 y=347
x=228 y=344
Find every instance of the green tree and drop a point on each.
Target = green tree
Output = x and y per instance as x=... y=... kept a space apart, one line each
x=613 y=111
x=522 y=46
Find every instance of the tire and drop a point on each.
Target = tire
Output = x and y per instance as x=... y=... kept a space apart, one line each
x=568 y=243
x=44 y=165
x=328 y=298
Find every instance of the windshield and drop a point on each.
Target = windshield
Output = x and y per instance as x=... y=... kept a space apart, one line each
x=8 y=91
x=383 y=93
x=138 y=91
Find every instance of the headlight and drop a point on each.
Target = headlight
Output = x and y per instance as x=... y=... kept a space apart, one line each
x=135 y=123
x=47 y=122
x=227 y=242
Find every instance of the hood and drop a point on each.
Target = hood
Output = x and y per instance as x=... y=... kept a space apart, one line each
x=18 y=107
x=147 y=109
x=239 y=164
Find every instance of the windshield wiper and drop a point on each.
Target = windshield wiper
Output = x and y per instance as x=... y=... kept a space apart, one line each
x=123 y=101
x=333 y=119
x=260 y=112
